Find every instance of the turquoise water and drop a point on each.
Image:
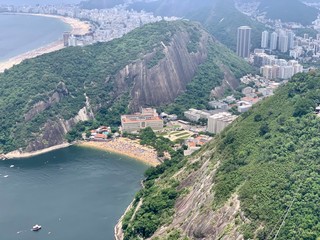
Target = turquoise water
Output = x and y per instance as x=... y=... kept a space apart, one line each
x=74 y=193
x=22 y=33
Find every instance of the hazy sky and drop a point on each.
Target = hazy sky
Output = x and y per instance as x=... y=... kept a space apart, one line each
x=33 y=2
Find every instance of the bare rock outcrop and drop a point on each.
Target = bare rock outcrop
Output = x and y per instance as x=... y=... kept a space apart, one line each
x=162 y=83
x=53 y=132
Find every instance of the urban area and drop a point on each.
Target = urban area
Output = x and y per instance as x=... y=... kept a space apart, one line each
x=197 y=126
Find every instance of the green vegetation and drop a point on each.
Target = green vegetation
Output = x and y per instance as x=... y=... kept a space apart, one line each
x=269 y=158
x=219 y=17
x=158 y=55
x=208 y=76
x=54 y=87
x=158 y=198
x=223 y=21
x=28 y=92
x=299 y=12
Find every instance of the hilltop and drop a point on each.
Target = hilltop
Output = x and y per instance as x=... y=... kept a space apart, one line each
x=297 y=11
x=219 y=17
x=259 y=179
x=287 y=10
x=43 y=99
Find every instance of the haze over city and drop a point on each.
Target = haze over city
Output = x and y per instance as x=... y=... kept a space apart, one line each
x=162 y=119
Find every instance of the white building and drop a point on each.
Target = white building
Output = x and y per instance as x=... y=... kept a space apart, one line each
x=265 y=39
x=218 y=122
x=274 y=41
x=244 y=106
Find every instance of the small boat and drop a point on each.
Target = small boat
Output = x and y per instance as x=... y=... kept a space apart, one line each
x=11 y=166
x=36 y=228
x=6 y=176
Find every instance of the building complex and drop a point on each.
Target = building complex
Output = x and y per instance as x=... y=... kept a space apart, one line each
x=148 y=117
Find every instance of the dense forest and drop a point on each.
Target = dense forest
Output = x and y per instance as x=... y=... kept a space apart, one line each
x=269 y=157
x=54 y=87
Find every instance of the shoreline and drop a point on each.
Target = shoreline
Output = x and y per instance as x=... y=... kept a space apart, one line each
x=17 y=154
x=77 y=28
x=125 y=147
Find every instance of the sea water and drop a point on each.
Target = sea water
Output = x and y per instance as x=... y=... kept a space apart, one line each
x=22 y=33
x=74 y=193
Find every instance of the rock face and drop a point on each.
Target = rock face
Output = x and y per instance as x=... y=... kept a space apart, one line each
x=163 y=82
x=194 y=216
x=151 y=81
x=53 y=132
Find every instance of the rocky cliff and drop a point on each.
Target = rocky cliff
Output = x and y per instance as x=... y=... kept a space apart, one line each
x=45 y=98
x=163 y=82
x=256 y=180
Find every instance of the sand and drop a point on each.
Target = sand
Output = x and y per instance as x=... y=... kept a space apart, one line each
x=78 y=28
x=18 y=154
x=126 y=147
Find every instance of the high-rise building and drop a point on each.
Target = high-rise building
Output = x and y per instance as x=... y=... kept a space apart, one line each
x=66 y=36
x=291 y=36
x=283 y=43
x=244 y=41
x=274 y=41
x=265 y=39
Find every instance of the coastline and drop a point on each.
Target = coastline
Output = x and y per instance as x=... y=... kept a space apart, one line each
x=18 y=154
x=126 y=147
x=77 y=28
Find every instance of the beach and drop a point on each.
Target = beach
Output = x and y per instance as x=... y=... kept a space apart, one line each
x=77 y=28
x=126 y=147
x=18 y=154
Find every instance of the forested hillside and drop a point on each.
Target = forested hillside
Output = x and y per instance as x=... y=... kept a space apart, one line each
x=259 y=179
x=219 y=17
x=299 y=12
x=44 y=98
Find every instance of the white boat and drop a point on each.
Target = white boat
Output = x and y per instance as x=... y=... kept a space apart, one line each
x=36 y=228
x=6 y=176
x=11 y=166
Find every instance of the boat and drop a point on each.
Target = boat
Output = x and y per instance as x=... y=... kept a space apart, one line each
x=11 y=166
x=36 y=228
x=5 y=176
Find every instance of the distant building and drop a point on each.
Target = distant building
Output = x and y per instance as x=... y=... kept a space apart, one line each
x=147 y=118
x=244 y=41
x=66 y=36
x=72 y=41
x=291 y=36
x=274 y=41
x=244 y=106
x=218 y=105
x=218 y=122
x=265 y=39
x=195 y=115
x=283 y=43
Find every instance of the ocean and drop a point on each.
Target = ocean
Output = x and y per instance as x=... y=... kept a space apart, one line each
x=22 y=33
x=74 y=193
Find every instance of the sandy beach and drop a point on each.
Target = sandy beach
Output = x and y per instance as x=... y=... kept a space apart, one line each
x=78 y=28
x=18 y=154
x=126 y=147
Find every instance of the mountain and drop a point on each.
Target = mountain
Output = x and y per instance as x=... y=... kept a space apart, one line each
x=289 y=11
x=219 y=17
x=44 y=98
x=258 y=179
x=99 y=4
